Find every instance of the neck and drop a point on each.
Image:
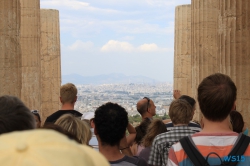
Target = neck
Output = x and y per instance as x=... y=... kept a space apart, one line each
x=216 y=127
x=67 y=106
x=147 y=116
x=111 y=153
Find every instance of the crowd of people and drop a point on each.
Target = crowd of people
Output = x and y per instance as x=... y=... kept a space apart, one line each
x=105 y=137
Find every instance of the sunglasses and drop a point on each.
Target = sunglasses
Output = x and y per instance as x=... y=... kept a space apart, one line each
x=35 y=111
x=148 y=101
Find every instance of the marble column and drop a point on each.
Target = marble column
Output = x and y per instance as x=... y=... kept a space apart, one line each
x=10 y=51
x=50 y=62
x=30 y=53
x=182 y=50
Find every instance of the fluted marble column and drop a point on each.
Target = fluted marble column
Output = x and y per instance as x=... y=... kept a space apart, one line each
x=234 y=37
x=220 y=43
x=30 y=53
x=10 y=52
x=182 y=50
x=50 y=61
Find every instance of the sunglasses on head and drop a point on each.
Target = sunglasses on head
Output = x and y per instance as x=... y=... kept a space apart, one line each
x=148 y=101
x=35 y=111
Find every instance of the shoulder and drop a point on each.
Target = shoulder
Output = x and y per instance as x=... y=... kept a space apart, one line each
x=169 y=124
x=75 y=113
x=54 y=116
x=160 y=138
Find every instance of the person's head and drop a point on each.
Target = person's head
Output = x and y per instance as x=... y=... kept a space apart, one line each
x=75 y=126
x=37 y=118
x=236 y=121
x=52 y=126
x=180 y=112
x=156 y=127
x=146 y=107
x=189 y=99
x=141 y=130
x=216 y=97
x=14 y=115
x=88 y=117
x=111 y=121
x=45 y=147
x=68 y=93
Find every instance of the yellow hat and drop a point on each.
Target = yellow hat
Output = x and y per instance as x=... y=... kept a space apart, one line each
x=45 y=148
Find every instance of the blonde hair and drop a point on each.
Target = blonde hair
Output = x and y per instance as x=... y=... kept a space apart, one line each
x=68 y=93
x=76 y=127
x=156 y=127
x=180 y=112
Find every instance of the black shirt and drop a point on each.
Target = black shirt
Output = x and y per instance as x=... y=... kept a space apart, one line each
x=53 y=117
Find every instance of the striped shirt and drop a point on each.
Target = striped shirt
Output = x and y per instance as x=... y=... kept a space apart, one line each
x=220 y=143
x=163 y=142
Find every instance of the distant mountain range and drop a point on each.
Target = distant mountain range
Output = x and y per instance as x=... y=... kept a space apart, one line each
x=106 y=79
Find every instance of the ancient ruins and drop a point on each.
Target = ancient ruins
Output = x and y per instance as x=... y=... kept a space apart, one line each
x=220 y=39
x=30 y=66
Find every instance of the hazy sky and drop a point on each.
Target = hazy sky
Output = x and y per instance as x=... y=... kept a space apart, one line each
x=133 y=37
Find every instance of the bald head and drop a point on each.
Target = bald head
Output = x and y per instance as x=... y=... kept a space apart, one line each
x=142 y=106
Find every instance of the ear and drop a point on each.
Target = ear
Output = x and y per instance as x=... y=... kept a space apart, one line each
x=92 y=124
x=60 y=99
x=234 y=106
x=75 y=99
x=95 y=131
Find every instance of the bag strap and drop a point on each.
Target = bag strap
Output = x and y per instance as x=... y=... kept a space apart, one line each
x=239 y=149
x=193 y=154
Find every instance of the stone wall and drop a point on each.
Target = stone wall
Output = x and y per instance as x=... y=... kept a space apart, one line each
x=10 y=51
x=50 y=62
x=182 y=50
x=220 y=43
x=30 y=53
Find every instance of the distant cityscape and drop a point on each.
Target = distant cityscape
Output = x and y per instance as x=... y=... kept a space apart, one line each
x=127 y=95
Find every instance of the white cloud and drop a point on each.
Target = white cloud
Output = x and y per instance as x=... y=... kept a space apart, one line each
x=148 y=47
x=113 y=46
x=79 y=45
x=75 y=5
x=121 y=46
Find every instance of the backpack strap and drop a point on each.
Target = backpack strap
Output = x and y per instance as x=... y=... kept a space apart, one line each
x=239 y=149
x=193 y=154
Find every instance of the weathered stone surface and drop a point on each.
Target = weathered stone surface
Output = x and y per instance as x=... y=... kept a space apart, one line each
x=30 y=53
x=204 y=49
x=50 y=61
x=220 y=43
x=234 y=38
x=182 y=50
x=10 y=52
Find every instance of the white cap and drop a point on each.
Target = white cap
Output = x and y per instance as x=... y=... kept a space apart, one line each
x=88 y=115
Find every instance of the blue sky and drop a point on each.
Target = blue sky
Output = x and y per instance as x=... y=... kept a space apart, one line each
x=133 y=37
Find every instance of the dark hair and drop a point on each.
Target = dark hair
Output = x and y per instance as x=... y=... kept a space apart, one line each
x=111 y=121
x=216 y=96
x=236 y=121
x=14 y=115
x=189 y=99
x=141 y=130
x=59 y=129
